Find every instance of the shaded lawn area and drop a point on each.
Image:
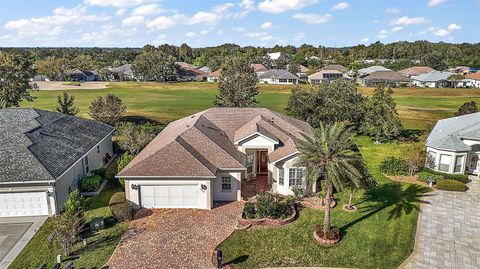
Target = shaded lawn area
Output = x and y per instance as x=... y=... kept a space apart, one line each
x=380 y=234
x=94 y=255
x=165 y=102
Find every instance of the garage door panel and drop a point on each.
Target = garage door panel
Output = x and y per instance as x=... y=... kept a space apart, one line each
x=169 y=196
x=23 y=204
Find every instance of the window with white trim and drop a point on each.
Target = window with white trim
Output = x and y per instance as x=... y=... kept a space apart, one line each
x=250 y=157
x=445 y=161
x=281 y=176
x=295 y=176
x=458 y=163
x=87 y=166
x=226 y=183
x=431 y=159
x=98 y=149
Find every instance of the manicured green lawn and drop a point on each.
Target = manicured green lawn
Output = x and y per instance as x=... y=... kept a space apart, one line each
x=94 y=255
x=380 y=234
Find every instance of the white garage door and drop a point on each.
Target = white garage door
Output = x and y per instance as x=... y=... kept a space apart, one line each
x=169 y=196
x=23 y=204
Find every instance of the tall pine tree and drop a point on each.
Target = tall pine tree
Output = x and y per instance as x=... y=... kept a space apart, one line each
x=381 y=118
x=237 y=85
x=66 y=104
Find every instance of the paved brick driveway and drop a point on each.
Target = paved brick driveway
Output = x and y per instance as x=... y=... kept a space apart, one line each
x=175 y=238
x=449 y=231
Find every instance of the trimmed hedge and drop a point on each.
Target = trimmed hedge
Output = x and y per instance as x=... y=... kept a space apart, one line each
x=101 y=172
x=428 y=173
x=90 y=183
x=269 y=206
x=451 y=185
x=394 y=166
x=117 y=198
x=122 y=212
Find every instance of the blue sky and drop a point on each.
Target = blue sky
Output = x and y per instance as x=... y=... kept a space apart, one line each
x=333 y=23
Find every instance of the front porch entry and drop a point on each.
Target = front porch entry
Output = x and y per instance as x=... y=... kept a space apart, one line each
x=256 y=180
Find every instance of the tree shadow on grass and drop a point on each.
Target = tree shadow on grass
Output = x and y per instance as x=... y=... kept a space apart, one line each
x=400 y=201
x=239 y=259
x=139 y=120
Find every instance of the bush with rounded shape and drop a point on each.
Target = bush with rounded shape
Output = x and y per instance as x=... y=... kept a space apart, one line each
x=249 y=210
x=91 y=183
x=394 y=166
x=124 y=159
x=451 y=185
x=117 y=198
x=426 y=173
x=426 y=176
x=101 y=172
x=268 y=205
x=122 y=212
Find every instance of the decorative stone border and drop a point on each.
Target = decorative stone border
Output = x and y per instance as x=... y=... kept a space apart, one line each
x=314 y=206
x=351 y=209
x=95 y=193
x=244 y=223
x=325 y=241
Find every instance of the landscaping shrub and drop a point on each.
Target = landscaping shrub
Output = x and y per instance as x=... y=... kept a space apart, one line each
x=451 y=185
x=394 y=166
x=74 y=203
x=269 y=206
x=101 y=172
x=117 y=198
x=124 y=159
x=122 y=212
x=249 y=210
x=426 y=176
x=439 y=175
x=90 y=183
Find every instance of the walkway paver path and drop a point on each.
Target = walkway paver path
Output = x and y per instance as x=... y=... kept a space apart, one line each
x=449 y=230
x=175 y=238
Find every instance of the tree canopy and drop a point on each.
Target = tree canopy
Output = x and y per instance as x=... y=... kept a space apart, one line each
x=66 y=104
x=154 y=64
x=108 y=109
x=15 y=72
x=467 y=108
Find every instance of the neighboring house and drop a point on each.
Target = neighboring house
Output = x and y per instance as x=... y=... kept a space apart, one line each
x=453 y=146
x=388 y=78
x=43 y=156
x=40 y=78
x=278 y=76
x=82 y=75
x=259 y=69
x=324 y=75
x=205 y=69
x=460 y=70
x=368 y=70
x=416 y=70
x=213 y=77
x=122 y=73
x=274 y=55
x=191 y=75
x=471 y=80
x=186 y=66
x=302 y=71
x=337 y=67
x=434 y=79
x=214 y=155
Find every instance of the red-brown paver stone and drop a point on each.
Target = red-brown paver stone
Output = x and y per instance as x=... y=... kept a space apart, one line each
x=175 y=238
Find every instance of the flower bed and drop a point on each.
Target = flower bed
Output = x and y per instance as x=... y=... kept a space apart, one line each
x=245 y=223
x=316 y=203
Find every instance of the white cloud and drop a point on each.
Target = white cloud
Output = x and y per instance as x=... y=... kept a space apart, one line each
x=222 y=8
x=280 y=6
x=266 y=25
x=247 y=4
x=191 y=34
x=238 y=29
x=116 y=3
x=393 y=10
x=396 y=29
x=263 y=36
x=161 y=39
x=220 y=32
x=133 y=21
x=364 y=40
x=202 y=17
x=165 y=22
x=384 y=33
x=147 y=10
x=405 y=20
x=311 y=18
x=299 y=37
x=453 y=27
x=120 y=12
x=341 y=5
x=433 y=3
x=441 y=32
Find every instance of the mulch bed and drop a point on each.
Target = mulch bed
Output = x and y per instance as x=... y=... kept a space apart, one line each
x=407 y=179
x=316 y=203
x=244 y=223
x=319 y=239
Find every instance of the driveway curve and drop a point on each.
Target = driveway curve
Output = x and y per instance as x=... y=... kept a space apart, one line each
x=448 y=233
x=175 y=238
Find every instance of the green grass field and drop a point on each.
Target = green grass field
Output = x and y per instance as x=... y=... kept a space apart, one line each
x=168 y=101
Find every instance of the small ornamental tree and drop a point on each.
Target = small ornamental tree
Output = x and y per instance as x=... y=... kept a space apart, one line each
x=108 y=109
x=66 y=104
x=66 y=226
x=134 y=137
x=467 y=108
x=381 y=117
x=237 y=85
x=414 y=155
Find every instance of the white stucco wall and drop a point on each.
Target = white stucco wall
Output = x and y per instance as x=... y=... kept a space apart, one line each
x=437 y=153
x=234 y=194
x=286 y=165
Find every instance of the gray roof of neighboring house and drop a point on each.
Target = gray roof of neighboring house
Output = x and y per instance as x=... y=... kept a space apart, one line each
x=371 y=69
x=320 y=74
x=337 y=67
x=203 y=143
x=125 y=69
x=278 y=74
x=433 y=76
x=38 y=145
x=387 y=76
x=448 y=133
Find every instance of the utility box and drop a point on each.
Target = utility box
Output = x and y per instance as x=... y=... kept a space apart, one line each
x=97 y=224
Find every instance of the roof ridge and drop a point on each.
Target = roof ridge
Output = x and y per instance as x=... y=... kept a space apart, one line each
x=195 y=154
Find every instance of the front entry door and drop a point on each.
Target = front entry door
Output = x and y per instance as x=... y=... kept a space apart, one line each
x=474 y=163
x=262 y=167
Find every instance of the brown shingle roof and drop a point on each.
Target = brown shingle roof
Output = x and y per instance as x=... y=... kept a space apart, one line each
x=337 y=67
x=215 y=73
x=201 y=144
x=388 y=76
x=259 y=67
x=475 y=76
x=416 y=70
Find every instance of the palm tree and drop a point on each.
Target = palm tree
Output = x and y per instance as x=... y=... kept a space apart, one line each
x=330 y=151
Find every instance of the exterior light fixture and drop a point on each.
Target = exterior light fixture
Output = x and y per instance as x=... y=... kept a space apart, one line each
x=203 y=187
x=134 y=187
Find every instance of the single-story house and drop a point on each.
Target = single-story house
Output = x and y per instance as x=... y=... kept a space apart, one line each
x=416 y=70
x=453 y=146
x=190 y=75
x=337 y=67
x=471 y=80
x=259 y=69
x=302 y=71
x=324 y=75
x=205 y=69
x=213 y=77
x=122 y=73
x=368 y=70
x=40 y=78
x=278 y=76
x=44 y=156
x=388 y=78
x=434 y=79
x=460 y=70
x=186 y=66
x=82 y=75
x=217 y=155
